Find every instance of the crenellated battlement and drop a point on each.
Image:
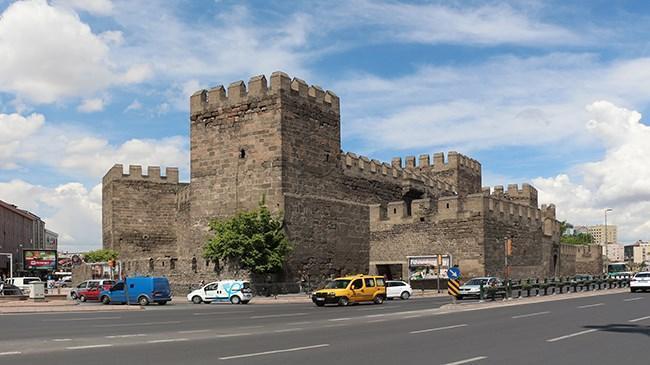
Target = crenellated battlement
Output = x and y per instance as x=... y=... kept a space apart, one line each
x=280 y=84
x=454 y=160
x=376 y=170
x=135 y=173
x=454 y=207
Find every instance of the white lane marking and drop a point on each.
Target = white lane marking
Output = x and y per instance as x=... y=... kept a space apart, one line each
x=289 y=330
x=194 y=331
x=61 y=339
x=274 y=352
x=279 y=315
x=339 y=319
x=639 y=319
x=590 y=305
x=415 y=316
x=335 y=325
x=439 y=328
x=88 y=347
x=10 y=353
x=234 y=335
x=571 y=335
x=377 y=321
x=126 y=336
x=136 y=324
x=631 y=299
x=298 y=323
x=530 y=315
x=375 y=315
x=220 y=313
x=478 y=358
x=80 y=319
x=169 y=340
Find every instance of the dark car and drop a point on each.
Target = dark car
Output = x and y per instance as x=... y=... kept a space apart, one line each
x=9 y=289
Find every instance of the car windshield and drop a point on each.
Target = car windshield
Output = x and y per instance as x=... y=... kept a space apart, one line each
x=477 y=282
x=337 y=284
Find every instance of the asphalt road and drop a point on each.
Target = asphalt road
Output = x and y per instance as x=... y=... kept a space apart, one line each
x=605 y=329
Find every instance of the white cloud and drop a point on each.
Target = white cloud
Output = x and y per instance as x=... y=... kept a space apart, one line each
x=488 y=24
x=96 y=7
x=50 y=54
x=504 y=101
x=73 y=211
x=75 y=152
x=91 y=105
x=135 y=105
x=619 y=180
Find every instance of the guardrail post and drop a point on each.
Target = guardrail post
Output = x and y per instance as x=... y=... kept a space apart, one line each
x=509 y=289
x=482 y=294
x=561 y=286
x=545 y=286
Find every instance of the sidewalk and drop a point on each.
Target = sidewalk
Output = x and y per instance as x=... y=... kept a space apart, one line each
x=57 y=305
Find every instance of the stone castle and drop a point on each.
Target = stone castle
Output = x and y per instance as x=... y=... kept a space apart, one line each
x=281 y=141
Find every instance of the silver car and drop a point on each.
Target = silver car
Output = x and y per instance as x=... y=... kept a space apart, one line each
x=472 y=288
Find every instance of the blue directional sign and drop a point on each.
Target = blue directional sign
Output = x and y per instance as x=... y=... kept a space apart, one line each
x=453 y=273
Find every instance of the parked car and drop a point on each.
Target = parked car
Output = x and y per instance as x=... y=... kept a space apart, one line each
x=233 y=291
x=352 y=289
x=138 y=290
x=91 y=291
x=640 y=282
x=472 y=288
x=9 y=289
x=398 y=289
x=24 y=283
x=64 y=282
x=103 y=284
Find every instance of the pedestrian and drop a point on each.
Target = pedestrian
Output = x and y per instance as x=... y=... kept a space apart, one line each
x=202 y=283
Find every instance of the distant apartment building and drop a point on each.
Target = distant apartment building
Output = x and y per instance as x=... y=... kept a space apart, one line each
x=615 y=252
x=21 y=230
x=638 y=253
x=598 y=233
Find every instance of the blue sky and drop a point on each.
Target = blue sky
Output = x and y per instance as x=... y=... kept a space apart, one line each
x=543 y=92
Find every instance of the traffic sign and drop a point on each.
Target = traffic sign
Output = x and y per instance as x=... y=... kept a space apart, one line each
x=453 y=273
x=453 y=287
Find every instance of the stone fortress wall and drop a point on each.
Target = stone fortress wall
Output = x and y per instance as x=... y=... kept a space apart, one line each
x=280 y=142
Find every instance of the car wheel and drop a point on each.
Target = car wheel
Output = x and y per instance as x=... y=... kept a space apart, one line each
x=197 y=299
x=344 y=301
x=379 y=299
x=73 y=295
x=162 y=302
x=235 y=299
x=405 y=295
x=82 y=298
x=143 y=301
x=105 y=300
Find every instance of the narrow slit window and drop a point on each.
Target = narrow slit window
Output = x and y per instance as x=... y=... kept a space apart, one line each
x=242 y=153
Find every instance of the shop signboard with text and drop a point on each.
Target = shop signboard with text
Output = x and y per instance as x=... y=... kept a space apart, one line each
x=40 y=259
x=428 y=267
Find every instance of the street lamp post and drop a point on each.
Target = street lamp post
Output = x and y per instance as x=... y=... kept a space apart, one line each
x=607 y=237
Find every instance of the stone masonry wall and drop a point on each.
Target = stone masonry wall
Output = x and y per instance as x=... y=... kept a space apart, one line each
x=139 y=211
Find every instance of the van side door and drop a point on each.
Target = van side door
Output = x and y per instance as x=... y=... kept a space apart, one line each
x=358 y=294
x=117 y=293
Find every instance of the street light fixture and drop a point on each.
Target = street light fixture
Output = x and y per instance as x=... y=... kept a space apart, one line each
x=607 y=237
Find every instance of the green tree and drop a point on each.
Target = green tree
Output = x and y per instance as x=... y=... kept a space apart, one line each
x=102 y=255
x=253 y=240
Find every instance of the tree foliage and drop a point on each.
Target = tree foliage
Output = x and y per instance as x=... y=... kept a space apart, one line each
x=573 y=238
x=102 y=255
x=254 y=240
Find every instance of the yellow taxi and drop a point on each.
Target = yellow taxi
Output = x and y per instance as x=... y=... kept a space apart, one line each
x=352 y=289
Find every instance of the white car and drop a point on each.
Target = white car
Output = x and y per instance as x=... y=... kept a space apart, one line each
x=24 y=283
x=398 y=289
x=472 y=288
x=233 y=291
x=640 y=282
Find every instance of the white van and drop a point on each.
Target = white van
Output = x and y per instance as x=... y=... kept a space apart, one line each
x=24 y=283
x=233 y=291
